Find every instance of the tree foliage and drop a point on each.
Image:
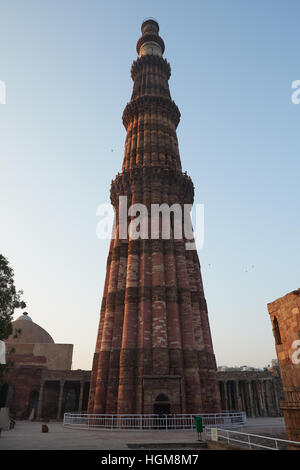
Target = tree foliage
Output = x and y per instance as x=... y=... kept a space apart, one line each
x=10 y=299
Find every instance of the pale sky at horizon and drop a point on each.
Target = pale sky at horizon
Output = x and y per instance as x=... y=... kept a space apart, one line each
x=66 y=65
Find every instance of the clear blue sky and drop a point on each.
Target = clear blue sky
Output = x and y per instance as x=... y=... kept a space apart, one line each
x=66 y=65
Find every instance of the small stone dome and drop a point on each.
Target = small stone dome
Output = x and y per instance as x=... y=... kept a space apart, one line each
x=31 y=332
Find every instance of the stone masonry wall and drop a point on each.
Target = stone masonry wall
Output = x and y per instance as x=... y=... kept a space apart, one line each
x=285 y=318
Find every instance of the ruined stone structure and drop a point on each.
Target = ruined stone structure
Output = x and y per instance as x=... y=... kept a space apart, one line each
x=34 y=346
x=258 y=393
x=154 y=337
x=285 y=317
x=41 y=378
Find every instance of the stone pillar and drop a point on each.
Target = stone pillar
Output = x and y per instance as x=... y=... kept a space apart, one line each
x=240 y=402
x=243 y=396
x=40 y=402
x=261 y=397
x=226 y=396
x=251 y=404
x=264 y=398
x=277 y=405
x=269 y=399
x=221 y=389
x=81 y=396
x=60 y=399
x=229 y=392
x=258 y=401
x=236 y=395
x=274 y=404
x=254 y=396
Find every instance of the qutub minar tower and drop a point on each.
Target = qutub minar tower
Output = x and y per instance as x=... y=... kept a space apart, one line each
x=154 y=351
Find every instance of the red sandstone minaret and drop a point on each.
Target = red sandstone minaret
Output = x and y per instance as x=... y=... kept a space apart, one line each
x=154 y=350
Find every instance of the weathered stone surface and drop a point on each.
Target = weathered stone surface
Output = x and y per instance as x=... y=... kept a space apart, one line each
x=154 y=337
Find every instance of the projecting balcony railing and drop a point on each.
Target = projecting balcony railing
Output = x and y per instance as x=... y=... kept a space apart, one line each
x=152 y=422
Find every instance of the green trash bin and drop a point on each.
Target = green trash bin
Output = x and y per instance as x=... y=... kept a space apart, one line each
x=199 y=425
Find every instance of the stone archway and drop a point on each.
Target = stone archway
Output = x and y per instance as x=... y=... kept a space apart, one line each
x=161 y=405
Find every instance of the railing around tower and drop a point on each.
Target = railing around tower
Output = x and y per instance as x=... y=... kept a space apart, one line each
x=152 y=422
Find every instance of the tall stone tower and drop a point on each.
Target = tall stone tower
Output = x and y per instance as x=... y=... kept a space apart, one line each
x=154 y=350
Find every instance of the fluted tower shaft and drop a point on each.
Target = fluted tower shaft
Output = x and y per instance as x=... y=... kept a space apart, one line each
x=154 y=350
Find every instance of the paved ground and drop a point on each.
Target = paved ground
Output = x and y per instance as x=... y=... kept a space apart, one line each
x=271 y=426
x=27 y=435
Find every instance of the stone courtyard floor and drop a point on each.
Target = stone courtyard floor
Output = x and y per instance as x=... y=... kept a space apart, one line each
x=28 y=436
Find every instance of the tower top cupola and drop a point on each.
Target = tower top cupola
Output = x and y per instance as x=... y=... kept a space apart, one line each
x=150 y=43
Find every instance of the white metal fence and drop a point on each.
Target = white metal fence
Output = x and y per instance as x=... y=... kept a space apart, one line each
x=250 y=441
x=147 y=422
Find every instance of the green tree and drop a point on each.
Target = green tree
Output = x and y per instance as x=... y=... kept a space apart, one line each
x=10 y=299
